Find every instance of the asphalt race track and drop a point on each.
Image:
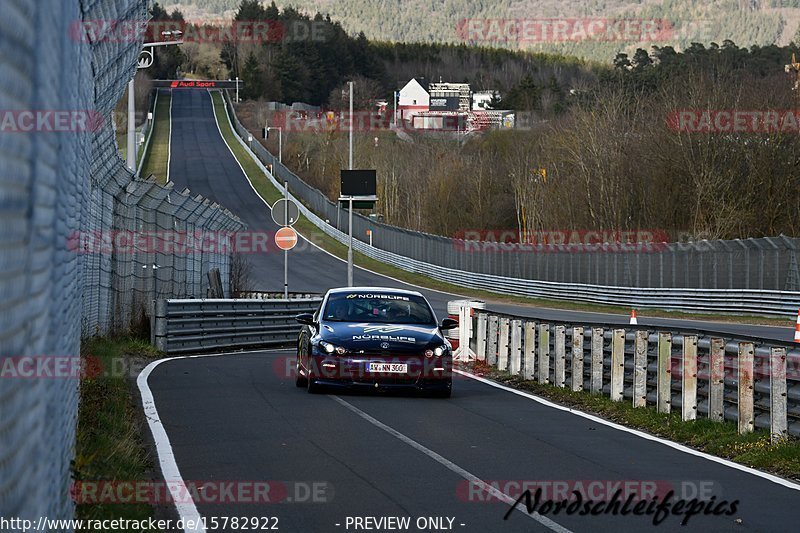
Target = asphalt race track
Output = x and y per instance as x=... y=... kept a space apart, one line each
x=239 y=418
x=201 y=161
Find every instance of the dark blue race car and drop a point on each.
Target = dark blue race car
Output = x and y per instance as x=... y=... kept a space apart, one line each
x=376 y=338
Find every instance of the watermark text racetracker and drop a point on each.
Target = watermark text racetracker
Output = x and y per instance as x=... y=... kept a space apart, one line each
x=50 y=120
x=726 y=121
x=201 y=492
x=550 y=30
x=208 y=523
x=572 y=240
x=181 y=242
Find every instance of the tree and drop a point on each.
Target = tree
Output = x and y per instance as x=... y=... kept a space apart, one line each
x=253 y=78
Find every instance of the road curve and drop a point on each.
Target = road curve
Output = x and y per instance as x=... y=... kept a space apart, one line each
x=240 y=418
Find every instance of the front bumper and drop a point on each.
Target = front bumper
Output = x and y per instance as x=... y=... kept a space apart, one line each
x=351 y=372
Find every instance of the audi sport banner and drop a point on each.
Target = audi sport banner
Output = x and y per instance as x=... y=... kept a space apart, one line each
x=196 y=84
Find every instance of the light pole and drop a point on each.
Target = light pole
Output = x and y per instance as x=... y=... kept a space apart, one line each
x=350 y=215
x=280 y=140
x=145 y=61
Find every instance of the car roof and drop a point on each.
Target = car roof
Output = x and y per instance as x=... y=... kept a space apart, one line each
x=389 y=290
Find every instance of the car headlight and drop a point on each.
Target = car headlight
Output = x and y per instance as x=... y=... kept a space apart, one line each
x=327 y=347
x=438 y=351
x=330 y=348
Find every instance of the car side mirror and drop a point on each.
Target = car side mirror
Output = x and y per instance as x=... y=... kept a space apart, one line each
x=448 y=323
x=307 y=319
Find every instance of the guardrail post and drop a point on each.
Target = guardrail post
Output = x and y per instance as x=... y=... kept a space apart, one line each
x=544 y=353
x=716 y=380
x=689 y=378
x=746 y=420
x=596 y=366
x=502 y=345
x=529 y=372
x=491 y=343
x=159 y=333
x=561 y=356
x=577 y=359
x=617 y=365
x=640 y=369
x=778 y=424
x=516 y=346
x=480 y=341
x=664 y=378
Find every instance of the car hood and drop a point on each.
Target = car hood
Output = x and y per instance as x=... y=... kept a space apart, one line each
x=370 y=336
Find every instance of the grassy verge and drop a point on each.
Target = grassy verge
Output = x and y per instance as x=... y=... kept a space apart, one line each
x=720 y=439
x=109 y=442
x=310 y=231
x=157 y=156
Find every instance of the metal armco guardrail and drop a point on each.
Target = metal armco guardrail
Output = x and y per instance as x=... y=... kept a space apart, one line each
x=180 y=326
x=783 y=303
x=700 y=374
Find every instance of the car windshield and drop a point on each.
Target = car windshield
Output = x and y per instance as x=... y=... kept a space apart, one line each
x=378 y=307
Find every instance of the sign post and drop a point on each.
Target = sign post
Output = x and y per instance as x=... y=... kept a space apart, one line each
x=285 y=251
x=358 y=186
x=285 y=213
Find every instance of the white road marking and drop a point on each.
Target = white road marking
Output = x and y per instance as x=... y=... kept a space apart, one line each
x=680 y=447
x=472 y=478
x=187 y=510
x=169 y=143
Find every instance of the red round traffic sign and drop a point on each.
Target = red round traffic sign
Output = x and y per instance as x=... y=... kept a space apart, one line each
x=286 y=238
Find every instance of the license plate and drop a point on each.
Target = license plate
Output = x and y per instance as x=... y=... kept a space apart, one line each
x=388 y=368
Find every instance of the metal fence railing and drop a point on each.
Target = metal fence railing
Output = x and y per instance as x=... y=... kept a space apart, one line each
x=190 y=326
x=62 y=182
x=698 y=373
x=477 y=270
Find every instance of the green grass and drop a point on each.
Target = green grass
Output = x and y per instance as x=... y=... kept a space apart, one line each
x=109 y=444
x=720 y=439
x=157 y=156
x=311 y=232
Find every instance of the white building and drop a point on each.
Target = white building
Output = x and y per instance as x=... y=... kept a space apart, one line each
x=481 y=99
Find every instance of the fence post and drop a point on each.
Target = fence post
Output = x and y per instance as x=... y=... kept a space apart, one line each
x=577 y=358
x=596 y=367
x=561 y=356
x=617 y=365
x=516 y=346
x=746 y=421
x=640 y=369
x=491 y=342
x=664 y=378
x=544 y=353
x=716 y=380
x=529 y=371
x=480 y=341
x=778 y=423
x=502 y=345
x=159 y=333
x=689 y=378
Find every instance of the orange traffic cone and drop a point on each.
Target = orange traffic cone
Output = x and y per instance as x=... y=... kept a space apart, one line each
x=797 y=328
x=635 y=322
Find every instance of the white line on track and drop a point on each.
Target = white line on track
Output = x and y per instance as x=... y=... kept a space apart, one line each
x=169 y=142
x=680 y=447
x=472 y=478
x=187 y=510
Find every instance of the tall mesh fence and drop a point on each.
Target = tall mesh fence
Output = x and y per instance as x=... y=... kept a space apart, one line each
x=761 y=264
x=57 y=185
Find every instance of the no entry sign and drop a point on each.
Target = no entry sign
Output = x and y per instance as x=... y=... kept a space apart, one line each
x=286 y=238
